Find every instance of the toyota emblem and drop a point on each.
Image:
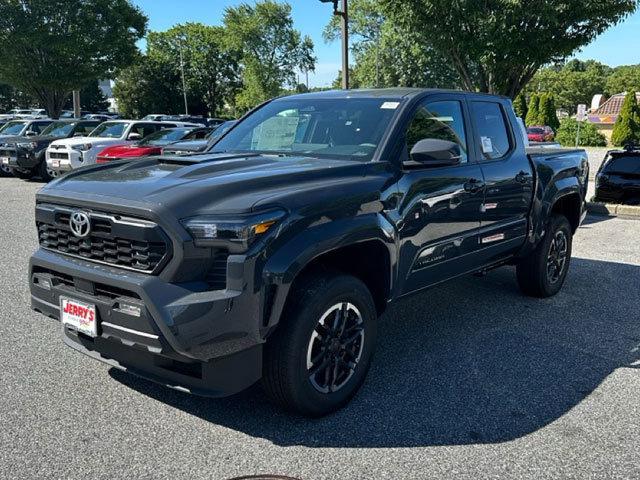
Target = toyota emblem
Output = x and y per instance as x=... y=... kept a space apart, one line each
x=80 y=224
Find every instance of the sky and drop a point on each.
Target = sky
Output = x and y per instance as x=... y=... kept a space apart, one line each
x=620 y=45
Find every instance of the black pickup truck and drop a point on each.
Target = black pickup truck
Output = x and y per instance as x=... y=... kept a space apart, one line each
x=272 y=256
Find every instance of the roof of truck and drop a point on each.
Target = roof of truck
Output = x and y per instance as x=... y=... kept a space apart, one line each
x=401 y=92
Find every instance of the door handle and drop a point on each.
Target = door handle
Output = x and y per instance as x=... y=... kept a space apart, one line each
x=473 y=186
x=522 y=177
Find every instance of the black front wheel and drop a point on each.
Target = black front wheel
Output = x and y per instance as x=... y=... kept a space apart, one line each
x=319 y=356
x=5 y=171
x=543 y=272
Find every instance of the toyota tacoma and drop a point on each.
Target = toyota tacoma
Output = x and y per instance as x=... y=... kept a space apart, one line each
x=272 y=256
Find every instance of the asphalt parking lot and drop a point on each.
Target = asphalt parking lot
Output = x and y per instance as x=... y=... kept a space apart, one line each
x=470 y=380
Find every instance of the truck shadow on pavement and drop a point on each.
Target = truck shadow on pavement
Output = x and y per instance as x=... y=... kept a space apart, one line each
x=471 y=361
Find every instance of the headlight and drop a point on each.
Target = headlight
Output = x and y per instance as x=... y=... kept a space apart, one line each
x=239 y=231
x=82 y=148
x=28 y=145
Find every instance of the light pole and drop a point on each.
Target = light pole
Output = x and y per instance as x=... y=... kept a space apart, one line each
x=344 y=15
x=184 y=83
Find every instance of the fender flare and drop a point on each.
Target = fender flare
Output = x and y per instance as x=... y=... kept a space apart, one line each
x=283 y=267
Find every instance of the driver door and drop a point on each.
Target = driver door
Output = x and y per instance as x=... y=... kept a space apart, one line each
x=439 y=214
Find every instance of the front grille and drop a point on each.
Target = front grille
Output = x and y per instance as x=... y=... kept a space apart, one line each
x=59 y=155
x=117 y=241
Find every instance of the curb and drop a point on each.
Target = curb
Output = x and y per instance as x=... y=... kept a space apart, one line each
x=613 y=210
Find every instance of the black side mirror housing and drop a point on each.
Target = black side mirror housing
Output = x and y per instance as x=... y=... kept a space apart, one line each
x=433 y=152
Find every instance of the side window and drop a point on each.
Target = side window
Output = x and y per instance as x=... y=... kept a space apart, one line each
x=87 y=128
x=493 y=135
x=35 y=128
x=441 y=120
x=145 y=129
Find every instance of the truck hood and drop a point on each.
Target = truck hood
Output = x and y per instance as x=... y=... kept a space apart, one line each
x=95 y=141
x=211 y=184
x=14 y=139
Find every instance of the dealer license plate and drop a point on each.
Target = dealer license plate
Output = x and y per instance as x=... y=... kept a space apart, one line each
x=5 y=160
x=55 y=163
x=79 y=315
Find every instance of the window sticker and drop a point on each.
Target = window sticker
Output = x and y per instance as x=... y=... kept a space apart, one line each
x=277 y=133
x=389 y=105
x=487 y=145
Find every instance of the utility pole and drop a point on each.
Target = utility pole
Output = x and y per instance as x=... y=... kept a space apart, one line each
x=345 y=45
x=76 y=104
x=184 y=83
x=344 y=16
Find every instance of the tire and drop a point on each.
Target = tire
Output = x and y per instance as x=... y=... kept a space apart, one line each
x=303 y=342
x=45 y=173
x=543 y=272
x=5 y=171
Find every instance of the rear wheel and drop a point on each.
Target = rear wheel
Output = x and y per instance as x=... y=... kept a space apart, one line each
x=543 y=272
x=320 y=354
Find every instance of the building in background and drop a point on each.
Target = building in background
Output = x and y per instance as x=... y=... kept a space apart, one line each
x=604 y=113
x=106 y=86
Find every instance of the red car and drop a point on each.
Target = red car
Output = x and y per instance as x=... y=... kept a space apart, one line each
x=540 y=134
x=152 y=144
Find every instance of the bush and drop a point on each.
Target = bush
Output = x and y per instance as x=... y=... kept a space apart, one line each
x=589 y=135
x=626 y=130
x=533 y=112
x=520 y=106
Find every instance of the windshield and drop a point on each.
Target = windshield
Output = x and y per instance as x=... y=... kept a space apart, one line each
x=59 y=129
x=348 y=128
x=110 y=130
x=163 y=137
x=13 y=128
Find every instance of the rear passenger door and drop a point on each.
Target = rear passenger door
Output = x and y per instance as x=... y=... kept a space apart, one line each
x=508 y=176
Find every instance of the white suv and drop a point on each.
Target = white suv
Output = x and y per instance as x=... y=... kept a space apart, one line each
x=69 y=153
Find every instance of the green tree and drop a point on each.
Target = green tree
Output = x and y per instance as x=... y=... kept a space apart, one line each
x=50 y=47
x=534 y=110
x=148 y=87
x=212 y=70
x=154 y=83
x=13 y=98
x=91 y=98
x=547 y=112
x=520 y=106
x=272 y=50
x=572 y=83
x=589 y=135
x=626 y=129
x=497 y=46
x=624 y=79
x=388 y=55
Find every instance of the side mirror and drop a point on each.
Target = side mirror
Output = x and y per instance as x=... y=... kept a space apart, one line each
x=432 y=152
x=31 y=134
x=135 y=136
x=79 y=134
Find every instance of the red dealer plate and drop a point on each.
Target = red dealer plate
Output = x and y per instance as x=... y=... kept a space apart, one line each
x=79 y=316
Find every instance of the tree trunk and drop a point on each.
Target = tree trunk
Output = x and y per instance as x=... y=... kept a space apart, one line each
x=53 y=101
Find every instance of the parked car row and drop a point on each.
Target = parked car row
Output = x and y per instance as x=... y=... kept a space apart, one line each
x=48 y=148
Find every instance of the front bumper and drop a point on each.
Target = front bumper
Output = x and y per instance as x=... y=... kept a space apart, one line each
x=186 y=337
x=71 y=159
